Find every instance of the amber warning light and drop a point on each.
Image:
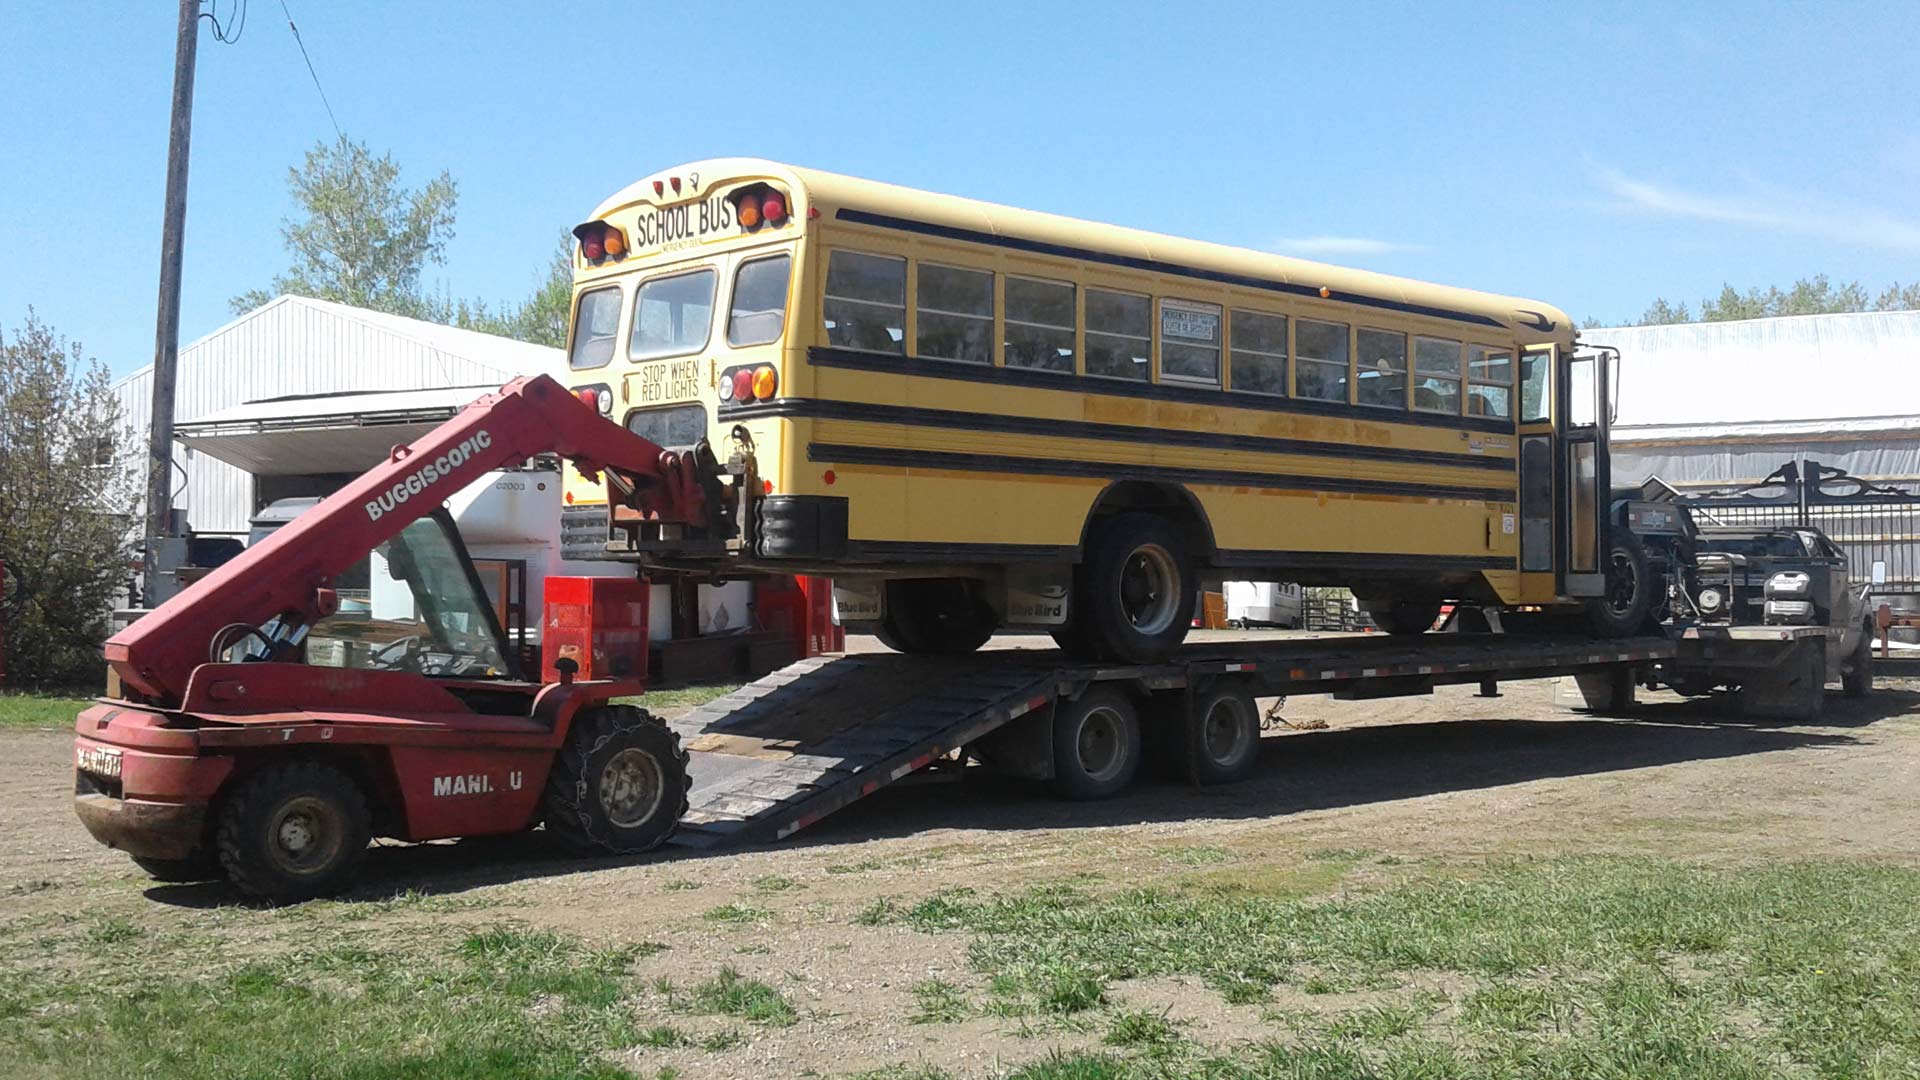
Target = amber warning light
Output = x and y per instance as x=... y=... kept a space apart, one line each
x=600 y=241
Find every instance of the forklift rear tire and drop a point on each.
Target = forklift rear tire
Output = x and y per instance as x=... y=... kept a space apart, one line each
x=1096 y=744
x=619 y=786
x=294 y=832
x=202 y=865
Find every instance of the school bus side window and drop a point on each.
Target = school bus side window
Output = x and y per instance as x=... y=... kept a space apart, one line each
x=1119 y=344
x=596 y=325
x=1039 y=324
x=1489 y=382
x=1436 y=372
x=1320 y=351
x=866 y=304
x=1533 y=385
x=1190 y=341
x=1259 y=353
x=955 y=314
x=1382 y=372
x=759 y=312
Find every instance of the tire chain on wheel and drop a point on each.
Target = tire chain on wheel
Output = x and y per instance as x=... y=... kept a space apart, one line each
x=568 y=797
x=267 y=786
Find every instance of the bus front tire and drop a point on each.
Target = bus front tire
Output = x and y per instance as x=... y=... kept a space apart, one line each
x=936 y=617
x=1134 y=594
x=1402 y=618
x=1622 y=610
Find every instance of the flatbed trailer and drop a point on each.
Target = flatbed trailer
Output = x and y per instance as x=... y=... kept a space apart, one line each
x=787 y=750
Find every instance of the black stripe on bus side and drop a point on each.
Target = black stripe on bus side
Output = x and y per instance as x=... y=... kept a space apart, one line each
x=1035 y=379
x=1348 y=560
x=1154 y=266
x=935 y=551
x=863 y=412
x=838 y=453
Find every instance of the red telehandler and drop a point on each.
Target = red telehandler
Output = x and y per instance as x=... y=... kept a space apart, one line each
x=268 y=721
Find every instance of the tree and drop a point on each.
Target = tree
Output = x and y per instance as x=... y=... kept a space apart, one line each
x=361 y=238
x=69 y=491
x=540 y=319
x=1809 y=296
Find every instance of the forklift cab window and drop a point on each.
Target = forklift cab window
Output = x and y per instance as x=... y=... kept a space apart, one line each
x=421 y=612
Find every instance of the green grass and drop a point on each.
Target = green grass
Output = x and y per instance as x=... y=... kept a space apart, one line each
x=736 y=913
x=680 y=697
x=29 y=710
x=496 y=1003
x=939 y=1002
x=732 y=994
x=1572 y=967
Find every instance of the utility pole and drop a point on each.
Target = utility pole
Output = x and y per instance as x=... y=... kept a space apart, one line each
x=166 y=345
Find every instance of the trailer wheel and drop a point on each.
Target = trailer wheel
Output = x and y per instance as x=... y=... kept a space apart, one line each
x=1622 y=611
x=1857 y=680
x=1224 y=739
x=1135 y=593
x=1402 y=618
x=619 y=786
x=1096 y=744
x=202 y=865
x=294 y=832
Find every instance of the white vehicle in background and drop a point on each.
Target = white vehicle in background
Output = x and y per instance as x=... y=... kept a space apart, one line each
x=1263 y=603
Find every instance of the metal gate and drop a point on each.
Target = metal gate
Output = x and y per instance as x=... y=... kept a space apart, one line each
x=1876 y=525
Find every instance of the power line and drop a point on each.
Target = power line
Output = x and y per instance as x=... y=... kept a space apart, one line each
x=310 y=71
x=228 y=33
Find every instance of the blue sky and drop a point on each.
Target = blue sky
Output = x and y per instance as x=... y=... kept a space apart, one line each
x=1594 y=158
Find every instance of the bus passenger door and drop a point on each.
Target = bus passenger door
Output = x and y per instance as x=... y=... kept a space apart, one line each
x=1539 y=561
x=1581 y=419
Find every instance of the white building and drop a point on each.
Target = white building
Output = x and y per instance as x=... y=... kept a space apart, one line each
x=295 y=359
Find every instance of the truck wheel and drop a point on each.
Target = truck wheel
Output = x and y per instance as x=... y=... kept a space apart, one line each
x=1226 y=746
x=202 y=865
x=1402 y=618
x=1135 y=593
x=936 y=617
x=1622 y=610
x=294 y=832
x=619 y=785
x=1096 y=744
x=1857 y=680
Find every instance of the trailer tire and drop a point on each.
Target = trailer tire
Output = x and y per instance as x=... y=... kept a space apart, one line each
x=1622 y=611
x=1223 y=734
x=1857 y=680
x=619 y=785
x=1134 y=595
x=294 y=832
x=1096 y=744
x=202 y=865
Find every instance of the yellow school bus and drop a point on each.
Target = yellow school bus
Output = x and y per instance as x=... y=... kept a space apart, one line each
x=975 y=417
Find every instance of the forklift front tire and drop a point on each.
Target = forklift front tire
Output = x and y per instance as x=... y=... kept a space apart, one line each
x=294 y=832
x=619 y=786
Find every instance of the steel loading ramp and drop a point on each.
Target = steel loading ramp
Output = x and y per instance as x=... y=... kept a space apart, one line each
x=785 y=751
x=788 y=749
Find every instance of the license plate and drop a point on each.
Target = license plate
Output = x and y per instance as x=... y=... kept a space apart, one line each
x=101 y=761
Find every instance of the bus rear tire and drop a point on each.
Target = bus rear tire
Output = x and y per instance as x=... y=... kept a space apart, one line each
x=1134 y=595
x=1402 y=618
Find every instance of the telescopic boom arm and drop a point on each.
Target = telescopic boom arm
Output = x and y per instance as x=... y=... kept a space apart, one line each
x=288 y=570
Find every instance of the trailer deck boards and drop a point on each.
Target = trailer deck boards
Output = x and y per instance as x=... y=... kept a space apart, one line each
x=785 y=751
